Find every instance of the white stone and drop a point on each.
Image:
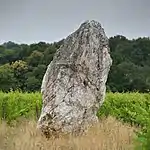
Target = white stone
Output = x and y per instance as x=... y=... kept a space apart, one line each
x=73 y=86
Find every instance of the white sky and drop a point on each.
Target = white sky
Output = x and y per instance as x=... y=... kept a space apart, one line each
x=28 y=21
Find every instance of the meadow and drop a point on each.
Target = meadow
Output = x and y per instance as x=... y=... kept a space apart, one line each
x=124 y=124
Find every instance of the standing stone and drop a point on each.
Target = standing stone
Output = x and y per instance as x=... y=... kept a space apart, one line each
x=73 y=86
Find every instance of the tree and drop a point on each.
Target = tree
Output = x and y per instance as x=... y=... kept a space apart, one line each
x=130 y=70
x=39 y=71
x=33 y=84
x=20 y=68
x=7 y=79
x=35 y=58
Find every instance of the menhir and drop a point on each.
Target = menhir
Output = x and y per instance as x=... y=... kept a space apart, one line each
x=73 y=86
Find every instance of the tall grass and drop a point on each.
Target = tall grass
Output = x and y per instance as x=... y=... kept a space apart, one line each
x=131 y=108
x=110 y=134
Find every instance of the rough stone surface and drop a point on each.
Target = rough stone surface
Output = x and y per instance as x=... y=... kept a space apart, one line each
x=73 y=86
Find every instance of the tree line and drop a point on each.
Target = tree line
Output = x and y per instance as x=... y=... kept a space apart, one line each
x=22 y=66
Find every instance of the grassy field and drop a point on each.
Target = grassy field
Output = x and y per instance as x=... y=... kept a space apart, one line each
x=110 y=134
x=129 y=112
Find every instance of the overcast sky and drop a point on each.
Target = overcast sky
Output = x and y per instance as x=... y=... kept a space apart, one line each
x=28 y=21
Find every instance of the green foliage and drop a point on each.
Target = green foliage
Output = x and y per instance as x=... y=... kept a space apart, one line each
x=129 y=72
x=143 y=140
x=20 y=68
x=7 y=79
x=35 y=58
x=27 y=63
x=133 y=108
x=131 y=64
x=32 y=83
x=14 y=105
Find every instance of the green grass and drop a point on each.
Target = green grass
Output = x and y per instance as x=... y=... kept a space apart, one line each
x=133 y=108
x=14 y=105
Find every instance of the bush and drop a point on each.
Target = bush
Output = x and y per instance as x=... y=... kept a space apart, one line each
x=14 y=105
x=133 y=108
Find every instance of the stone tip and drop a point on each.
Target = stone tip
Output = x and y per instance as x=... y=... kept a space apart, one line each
x=91 y=23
